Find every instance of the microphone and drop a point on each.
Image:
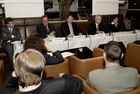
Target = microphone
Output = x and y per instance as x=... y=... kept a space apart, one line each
x=87 y=35
x=21 y=41
x=110 y=32
x=134 y=30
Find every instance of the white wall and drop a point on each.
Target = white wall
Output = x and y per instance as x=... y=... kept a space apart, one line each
x=24 y=8
x=105 y=7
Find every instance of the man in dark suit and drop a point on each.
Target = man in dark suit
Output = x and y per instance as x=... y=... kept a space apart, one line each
x=9 y=34
x=97 y=26
x=45 y=28
x=69 y=28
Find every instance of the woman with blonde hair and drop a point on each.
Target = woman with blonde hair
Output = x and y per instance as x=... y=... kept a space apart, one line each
x=27 y=78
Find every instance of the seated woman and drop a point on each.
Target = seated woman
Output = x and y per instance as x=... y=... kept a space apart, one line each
x=115 y=26
x=37 y=42
x=27 y=75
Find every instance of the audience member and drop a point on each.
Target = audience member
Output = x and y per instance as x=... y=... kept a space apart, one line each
x=37 y=42
x=45 y=28
x=115 y=26
x=97 y=26
x=9 y=34
x=113 y=78
x=69 y=28
x=27 y=78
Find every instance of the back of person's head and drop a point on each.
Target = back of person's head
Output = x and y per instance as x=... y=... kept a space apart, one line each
x=113 y=52
x=35 y=42
x=28 y=67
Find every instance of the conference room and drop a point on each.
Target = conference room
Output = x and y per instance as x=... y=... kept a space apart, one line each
x=72 y=46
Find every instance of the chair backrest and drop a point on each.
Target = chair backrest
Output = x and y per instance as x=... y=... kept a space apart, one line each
x=83 y=66
x=97 y=52
x=132 y=56
x=89 y=90
x=2 y=73
x=54 y=70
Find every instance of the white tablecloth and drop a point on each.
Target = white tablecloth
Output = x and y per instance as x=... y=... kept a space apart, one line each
x=138 y=34
x=91 y=41
x=125 y=37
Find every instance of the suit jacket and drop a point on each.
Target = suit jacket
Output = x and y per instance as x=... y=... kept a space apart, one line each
x=65 y=31
x=92 y=28
x=55 y=59
x=6 y=35
x=114 y=79
x=41 y=29
x=67 y=84
x=113 y=28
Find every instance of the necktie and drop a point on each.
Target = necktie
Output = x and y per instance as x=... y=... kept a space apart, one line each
x=47 y=29
x=10 y=29
x=71 y=29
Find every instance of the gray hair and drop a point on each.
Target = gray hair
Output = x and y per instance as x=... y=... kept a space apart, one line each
x=97 y=16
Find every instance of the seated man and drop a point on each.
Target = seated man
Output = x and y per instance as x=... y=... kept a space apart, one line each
x=27 y=78
x=115 y=26
x=45 y=28
x=113 y=78
x=9 y=34
x=97 y=26
x=69 y=28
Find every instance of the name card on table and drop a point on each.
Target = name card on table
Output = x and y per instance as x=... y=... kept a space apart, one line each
x=58 y=39
x=64 y=54
x=101 y=34
x=81 y=36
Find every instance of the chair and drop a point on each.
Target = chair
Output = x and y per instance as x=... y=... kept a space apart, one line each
x=132 y=56
x=83 y=66
x=89 y=90
x=2 y=73
x=121 y=45
x=97 y=52
x=30 y=30
x=137 y=42
x=54 y=70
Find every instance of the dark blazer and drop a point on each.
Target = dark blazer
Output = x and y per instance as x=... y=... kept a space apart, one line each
x=67 y=84
x=65 y=31
x=113 y=28
x=41 y=29
x=92 y=28
x=55 y=59
x=6 y=35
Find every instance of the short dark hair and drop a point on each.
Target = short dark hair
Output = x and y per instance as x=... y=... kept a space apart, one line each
x=69 y=15
x=116 y=16
x=44 y=16
x=7 y=20
x=113 y=51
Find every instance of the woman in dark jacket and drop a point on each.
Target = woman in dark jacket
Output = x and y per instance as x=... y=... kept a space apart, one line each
x=38 y=43
x=115 y=26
